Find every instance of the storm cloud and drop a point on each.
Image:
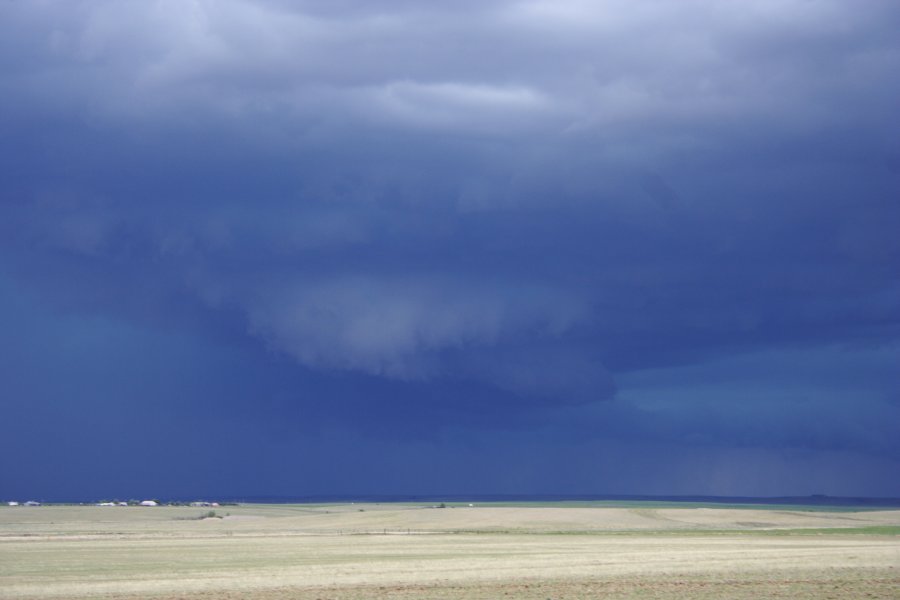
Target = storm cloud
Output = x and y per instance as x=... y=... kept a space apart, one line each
x=560 y=231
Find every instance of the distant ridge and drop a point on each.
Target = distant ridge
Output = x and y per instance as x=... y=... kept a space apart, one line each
x=813 y=500
x=816 y=500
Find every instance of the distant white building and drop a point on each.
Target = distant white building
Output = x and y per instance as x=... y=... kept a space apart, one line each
x=12 y=503
x=149 y=503
x=32 y=503
x=106 y=504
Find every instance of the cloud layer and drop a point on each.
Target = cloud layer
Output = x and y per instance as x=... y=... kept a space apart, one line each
x=532 y=207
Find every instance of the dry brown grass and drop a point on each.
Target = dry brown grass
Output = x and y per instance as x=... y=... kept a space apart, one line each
x=271 y=552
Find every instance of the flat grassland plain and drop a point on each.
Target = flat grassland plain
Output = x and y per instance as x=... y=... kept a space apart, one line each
x=356 y=551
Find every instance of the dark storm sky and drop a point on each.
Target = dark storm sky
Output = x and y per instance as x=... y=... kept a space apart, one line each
x=549 y=246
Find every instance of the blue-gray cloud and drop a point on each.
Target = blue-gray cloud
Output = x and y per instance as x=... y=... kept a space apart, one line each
x=525 y=205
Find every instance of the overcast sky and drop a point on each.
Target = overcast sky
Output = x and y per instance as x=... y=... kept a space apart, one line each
x=260 y=247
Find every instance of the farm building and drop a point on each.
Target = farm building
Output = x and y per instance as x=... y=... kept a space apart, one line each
x=149 y=503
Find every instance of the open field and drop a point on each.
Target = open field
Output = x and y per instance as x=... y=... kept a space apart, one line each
x=413 y=551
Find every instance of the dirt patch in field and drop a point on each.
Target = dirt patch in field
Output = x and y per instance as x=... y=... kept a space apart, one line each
x=882 y=584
